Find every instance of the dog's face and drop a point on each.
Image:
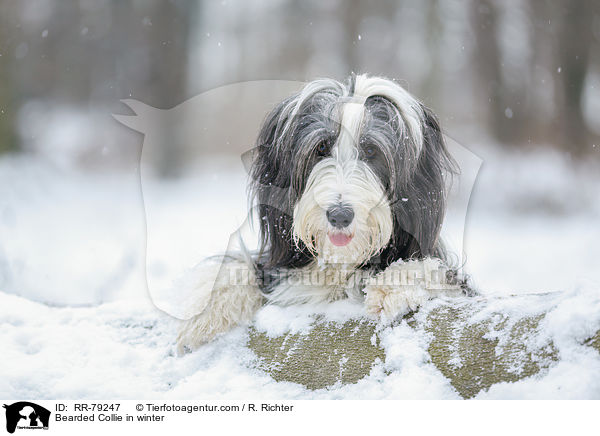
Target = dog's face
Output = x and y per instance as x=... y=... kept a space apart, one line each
x=343 y=214
x=350 y=174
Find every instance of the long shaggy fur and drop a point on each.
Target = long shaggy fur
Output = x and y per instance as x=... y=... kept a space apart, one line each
x=404 y=183
x=366 y=146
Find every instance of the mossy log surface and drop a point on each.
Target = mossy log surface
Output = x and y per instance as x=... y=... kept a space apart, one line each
x=329 y=353
x=472 y=355
x=594 y=341
x=473 y=361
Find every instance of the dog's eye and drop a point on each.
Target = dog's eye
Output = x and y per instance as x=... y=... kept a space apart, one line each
x=322 y=148
x=370 y=151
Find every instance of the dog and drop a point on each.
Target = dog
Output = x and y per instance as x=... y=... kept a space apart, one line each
x=348 y=184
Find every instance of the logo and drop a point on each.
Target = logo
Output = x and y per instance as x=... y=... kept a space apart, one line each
x=26 y=415
x=206 y=119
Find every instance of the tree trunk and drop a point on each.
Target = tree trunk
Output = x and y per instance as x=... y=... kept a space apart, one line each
x=8 y=98
x=574 y=45
x=472 y=346
x=504 y=101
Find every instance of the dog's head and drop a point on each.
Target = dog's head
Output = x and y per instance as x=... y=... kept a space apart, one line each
x=351 y=174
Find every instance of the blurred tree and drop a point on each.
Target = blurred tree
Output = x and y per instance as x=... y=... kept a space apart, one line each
x=87 y=54
x=8 y=136
x=8 y=99
x=432 y=86
x=575 y=42
x=505 y=118
x=352 y=15
x=294 y=50
x=149 y=47
x=561 y=42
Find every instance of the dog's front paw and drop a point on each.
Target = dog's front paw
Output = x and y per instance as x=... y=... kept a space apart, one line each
x=197 y=331
x=388 y=303
x=404 y=286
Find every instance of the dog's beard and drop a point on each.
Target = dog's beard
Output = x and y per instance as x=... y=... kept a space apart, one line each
x=352 y=182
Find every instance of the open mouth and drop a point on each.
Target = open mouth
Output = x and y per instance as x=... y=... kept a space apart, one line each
x=340 y=239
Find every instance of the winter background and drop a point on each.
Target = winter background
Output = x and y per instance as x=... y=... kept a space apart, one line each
x=517 y=83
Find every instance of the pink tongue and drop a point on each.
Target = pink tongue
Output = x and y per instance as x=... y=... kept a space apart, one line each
x=339 y=239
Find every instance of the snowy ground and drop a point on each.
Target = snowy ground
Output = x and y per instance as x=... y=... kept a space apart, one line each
x=77 y=320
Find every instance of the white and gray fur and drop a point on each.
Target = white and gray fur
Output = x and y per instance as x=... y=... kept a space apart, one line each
x=385 y=157
x=367 y=144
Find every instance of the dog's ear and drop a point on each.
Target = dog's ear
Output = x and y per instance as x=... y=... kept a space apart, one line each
x=271 y=149
x=270 y=190
x=435 y=167
x=435 y=152
x=433 y=138
x=419 y=203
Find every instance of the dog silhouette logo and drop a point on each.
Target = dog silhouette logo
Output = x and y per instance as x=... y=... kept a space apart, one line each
x=173 y=136
x=26 y=415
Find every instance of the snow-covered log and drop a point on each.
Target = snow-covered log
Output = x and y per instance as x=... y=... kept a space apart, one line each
x=474 y=342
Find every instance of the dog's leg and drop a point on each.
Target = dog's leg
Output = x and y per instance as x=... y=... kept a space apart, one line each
x=234 y=299
x=404 y=286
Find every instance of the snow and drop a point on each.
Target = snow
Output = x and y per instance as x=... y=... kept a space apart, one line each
x=125 y=350
x=275 y=321
x=573 y=319
x=78 y=322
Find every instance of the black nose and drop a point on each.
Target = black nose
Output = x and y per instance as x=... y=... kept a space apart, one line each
x=340 y=216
